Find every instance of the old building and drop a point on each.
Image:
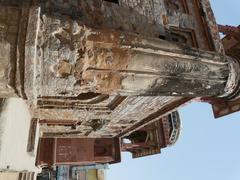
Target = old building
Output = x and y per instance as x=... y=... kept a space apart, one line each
x=92 y=172
x=64 y=172
x=13 y=175
x=231 y=42
x=111 y=65
x=150 y=139
x=108 y=70
x=71 y=150
x=15 y=121
x=16 y=162
x=78 y=151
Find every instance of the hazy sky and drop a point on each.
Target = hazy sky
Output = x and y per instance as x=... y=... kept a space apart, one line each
x=208 y=149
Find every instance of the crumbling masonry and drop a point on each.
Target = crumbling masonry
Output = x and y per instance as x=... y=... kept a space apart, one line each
x=109 y=68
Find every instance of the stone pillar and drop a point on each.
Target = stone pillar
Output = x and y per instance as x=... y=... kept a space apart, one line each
x=127 y=64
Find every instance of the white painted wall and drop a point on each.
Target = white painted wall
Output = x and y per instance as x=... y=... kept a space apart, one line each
x=14 y=129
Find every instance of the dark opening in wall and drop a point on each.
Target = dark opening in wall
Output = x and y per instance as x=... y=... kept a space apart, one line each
x=162 y=37
x=112 y=1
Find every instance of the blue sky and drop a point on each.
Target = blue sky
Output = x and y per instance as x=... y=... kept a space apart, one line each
x=208 y=149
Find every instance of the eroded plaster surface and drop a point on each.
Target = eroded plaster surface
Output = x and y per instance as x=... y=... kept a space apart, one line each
x=109 y=66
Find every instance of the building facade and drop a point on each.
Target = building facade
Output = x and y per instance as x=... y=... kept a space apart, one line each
x=98 y=72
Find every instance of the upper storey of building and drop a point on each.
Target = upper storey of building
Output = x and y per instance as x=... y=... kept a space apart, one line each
x=110 y=66
x=186 y=21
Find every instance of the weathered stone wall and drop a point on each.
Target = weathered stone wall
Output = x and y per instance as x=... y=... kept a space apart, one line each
x=72 y=41
x=54 y=43
x=9 y=22
x=78 y=49
x=63 y=56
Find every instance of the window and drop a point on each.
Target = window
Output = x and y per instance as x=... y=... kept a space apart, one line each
x=112 y=1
